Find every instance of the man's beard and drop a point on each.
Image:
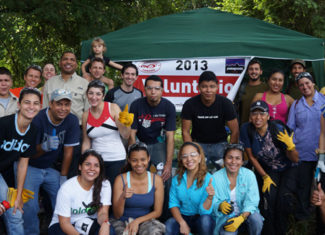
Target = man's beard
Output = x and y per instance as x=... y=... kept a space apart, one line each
x=254 y=79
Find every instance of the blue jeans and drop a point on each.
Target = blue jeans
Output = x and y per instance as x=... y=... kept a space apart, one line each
x=113 y=169
x=201 y=224
x=158 y=153
x=14 y=223
x=254 y=222
x=213 y=152
x=49 y=179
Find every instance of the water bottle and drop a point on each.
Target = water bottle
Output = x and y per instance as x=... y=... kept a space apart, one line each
x=232 y=213
x=160 y=168
x=5 y=204
x=53 y=134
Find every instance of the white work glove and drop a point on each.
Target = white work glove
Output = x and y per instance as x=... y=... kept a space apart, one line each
x=63 y=178
x=321 y=162
x=51 y=144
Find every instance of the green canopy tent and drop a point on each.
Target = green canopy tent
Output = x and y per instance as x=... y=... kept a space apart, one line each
x=206 y=33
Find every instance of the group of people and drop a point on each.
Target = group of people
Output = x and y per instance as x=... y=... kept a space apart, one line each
x=94 y=145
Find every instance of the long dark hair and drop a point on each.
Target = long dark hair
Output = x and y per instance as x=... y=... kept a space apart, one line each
x=138 y=146
x=99 y=180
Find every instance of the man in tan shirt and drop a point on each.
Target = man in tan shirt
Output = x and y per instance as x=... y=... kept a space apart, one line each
x=68 y=80
x=8 y=102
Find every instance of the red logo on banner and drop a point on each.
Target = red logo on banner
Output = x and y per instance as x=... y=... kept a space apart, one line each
x=149 y=67
x=187 y=86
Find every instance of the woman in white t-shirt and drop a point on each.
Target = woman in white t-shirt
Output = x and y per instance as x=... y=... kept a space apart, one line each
x=83 y=201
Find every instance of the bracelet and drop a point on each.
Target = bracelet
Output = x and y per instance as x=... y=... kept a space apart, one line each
x=210 y=197
x=107 y=222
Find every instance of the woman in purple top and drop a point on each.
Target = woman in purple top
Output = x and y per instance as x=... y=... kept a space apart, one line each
x=304 y=119
x=138 y=196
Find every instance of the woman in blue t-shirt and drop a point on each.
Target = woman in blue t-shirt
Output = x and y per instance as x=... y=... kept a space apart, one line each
x=271 y=151
x=138 y=196
x=191 y=193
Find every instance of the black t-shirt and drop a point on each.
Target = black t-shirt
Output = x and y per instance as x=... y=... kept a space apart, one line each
x=208 y=123
x=15 y=144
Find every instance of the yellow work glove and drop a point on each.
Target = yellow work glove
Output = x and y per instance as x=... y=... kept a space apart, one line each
x=26 y=195
x=288 y=140
x=267 y=183
x=125 y=117
x=226 y=208
x=322 y=91
x=233 y=224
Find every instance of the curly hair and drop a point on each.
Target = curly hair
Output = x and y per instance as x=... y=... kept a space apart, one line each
x=202 y=171
x=101 y=177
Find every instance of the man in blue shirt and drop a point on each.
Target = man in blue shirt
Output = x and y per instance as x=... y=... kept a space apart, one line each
x=58 y=133
x=155 y=124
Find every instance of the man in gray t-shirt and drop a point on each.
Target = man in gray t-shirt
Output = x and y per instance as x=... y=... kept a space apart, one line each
x=126 y=93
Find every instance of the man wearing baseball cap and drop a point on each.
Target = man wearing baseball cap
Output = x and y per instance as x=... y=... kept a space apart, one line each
x=270 y=149
x=58 y=133
x=296 y=66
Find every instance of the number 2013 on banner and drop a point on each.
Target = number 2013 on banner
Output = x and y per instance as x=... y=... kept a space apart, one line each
x=191 y=65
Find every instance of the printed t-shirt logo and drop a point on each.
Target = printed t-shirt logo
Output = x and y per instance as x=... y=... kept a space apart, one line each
x=14 y=145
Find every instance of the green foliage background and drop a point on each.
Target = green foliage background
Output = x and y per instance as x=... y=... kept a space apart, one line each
x=38 y=31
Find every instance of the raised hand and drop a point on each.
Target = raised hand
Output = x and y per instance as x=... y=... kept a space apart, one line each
x=125 y=117
x=286 y=139
x=127 y=192
x=210 y=190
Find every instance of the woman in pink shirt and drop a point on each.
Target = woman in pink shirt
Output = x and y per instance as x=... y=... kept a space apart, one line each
x=279 y=103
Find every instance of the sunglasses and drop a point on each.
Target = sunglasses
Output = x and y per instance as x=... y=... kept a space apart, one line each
x=30 y=89
x=96 y=83
x=137 y=145
x=34 y=66
x=192 y=155
x=90 y=208
x=235 y=146
x=304 y=75
x=62 y=92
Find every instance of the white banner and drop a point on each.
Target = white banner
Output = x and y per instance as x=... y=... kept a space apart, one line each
x=180 y=77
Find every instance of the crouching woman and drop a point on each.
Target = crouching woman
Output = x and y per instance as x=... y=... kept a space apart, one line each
x=83 y=201
x=191 y=194
x=236 y=195
x=138 y=196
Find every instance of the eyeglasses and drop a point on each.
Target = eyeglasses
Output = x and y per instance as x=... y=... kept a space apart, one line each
x=137 y=145
x=259 y=113
x=234 y=146
x=156 y=88
x=304 y=75
x=30 y=89
x=62 y=92
x=187 y=155
x=96 y=83
x=91 y=208
x=34 y=66
x=90 y=151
